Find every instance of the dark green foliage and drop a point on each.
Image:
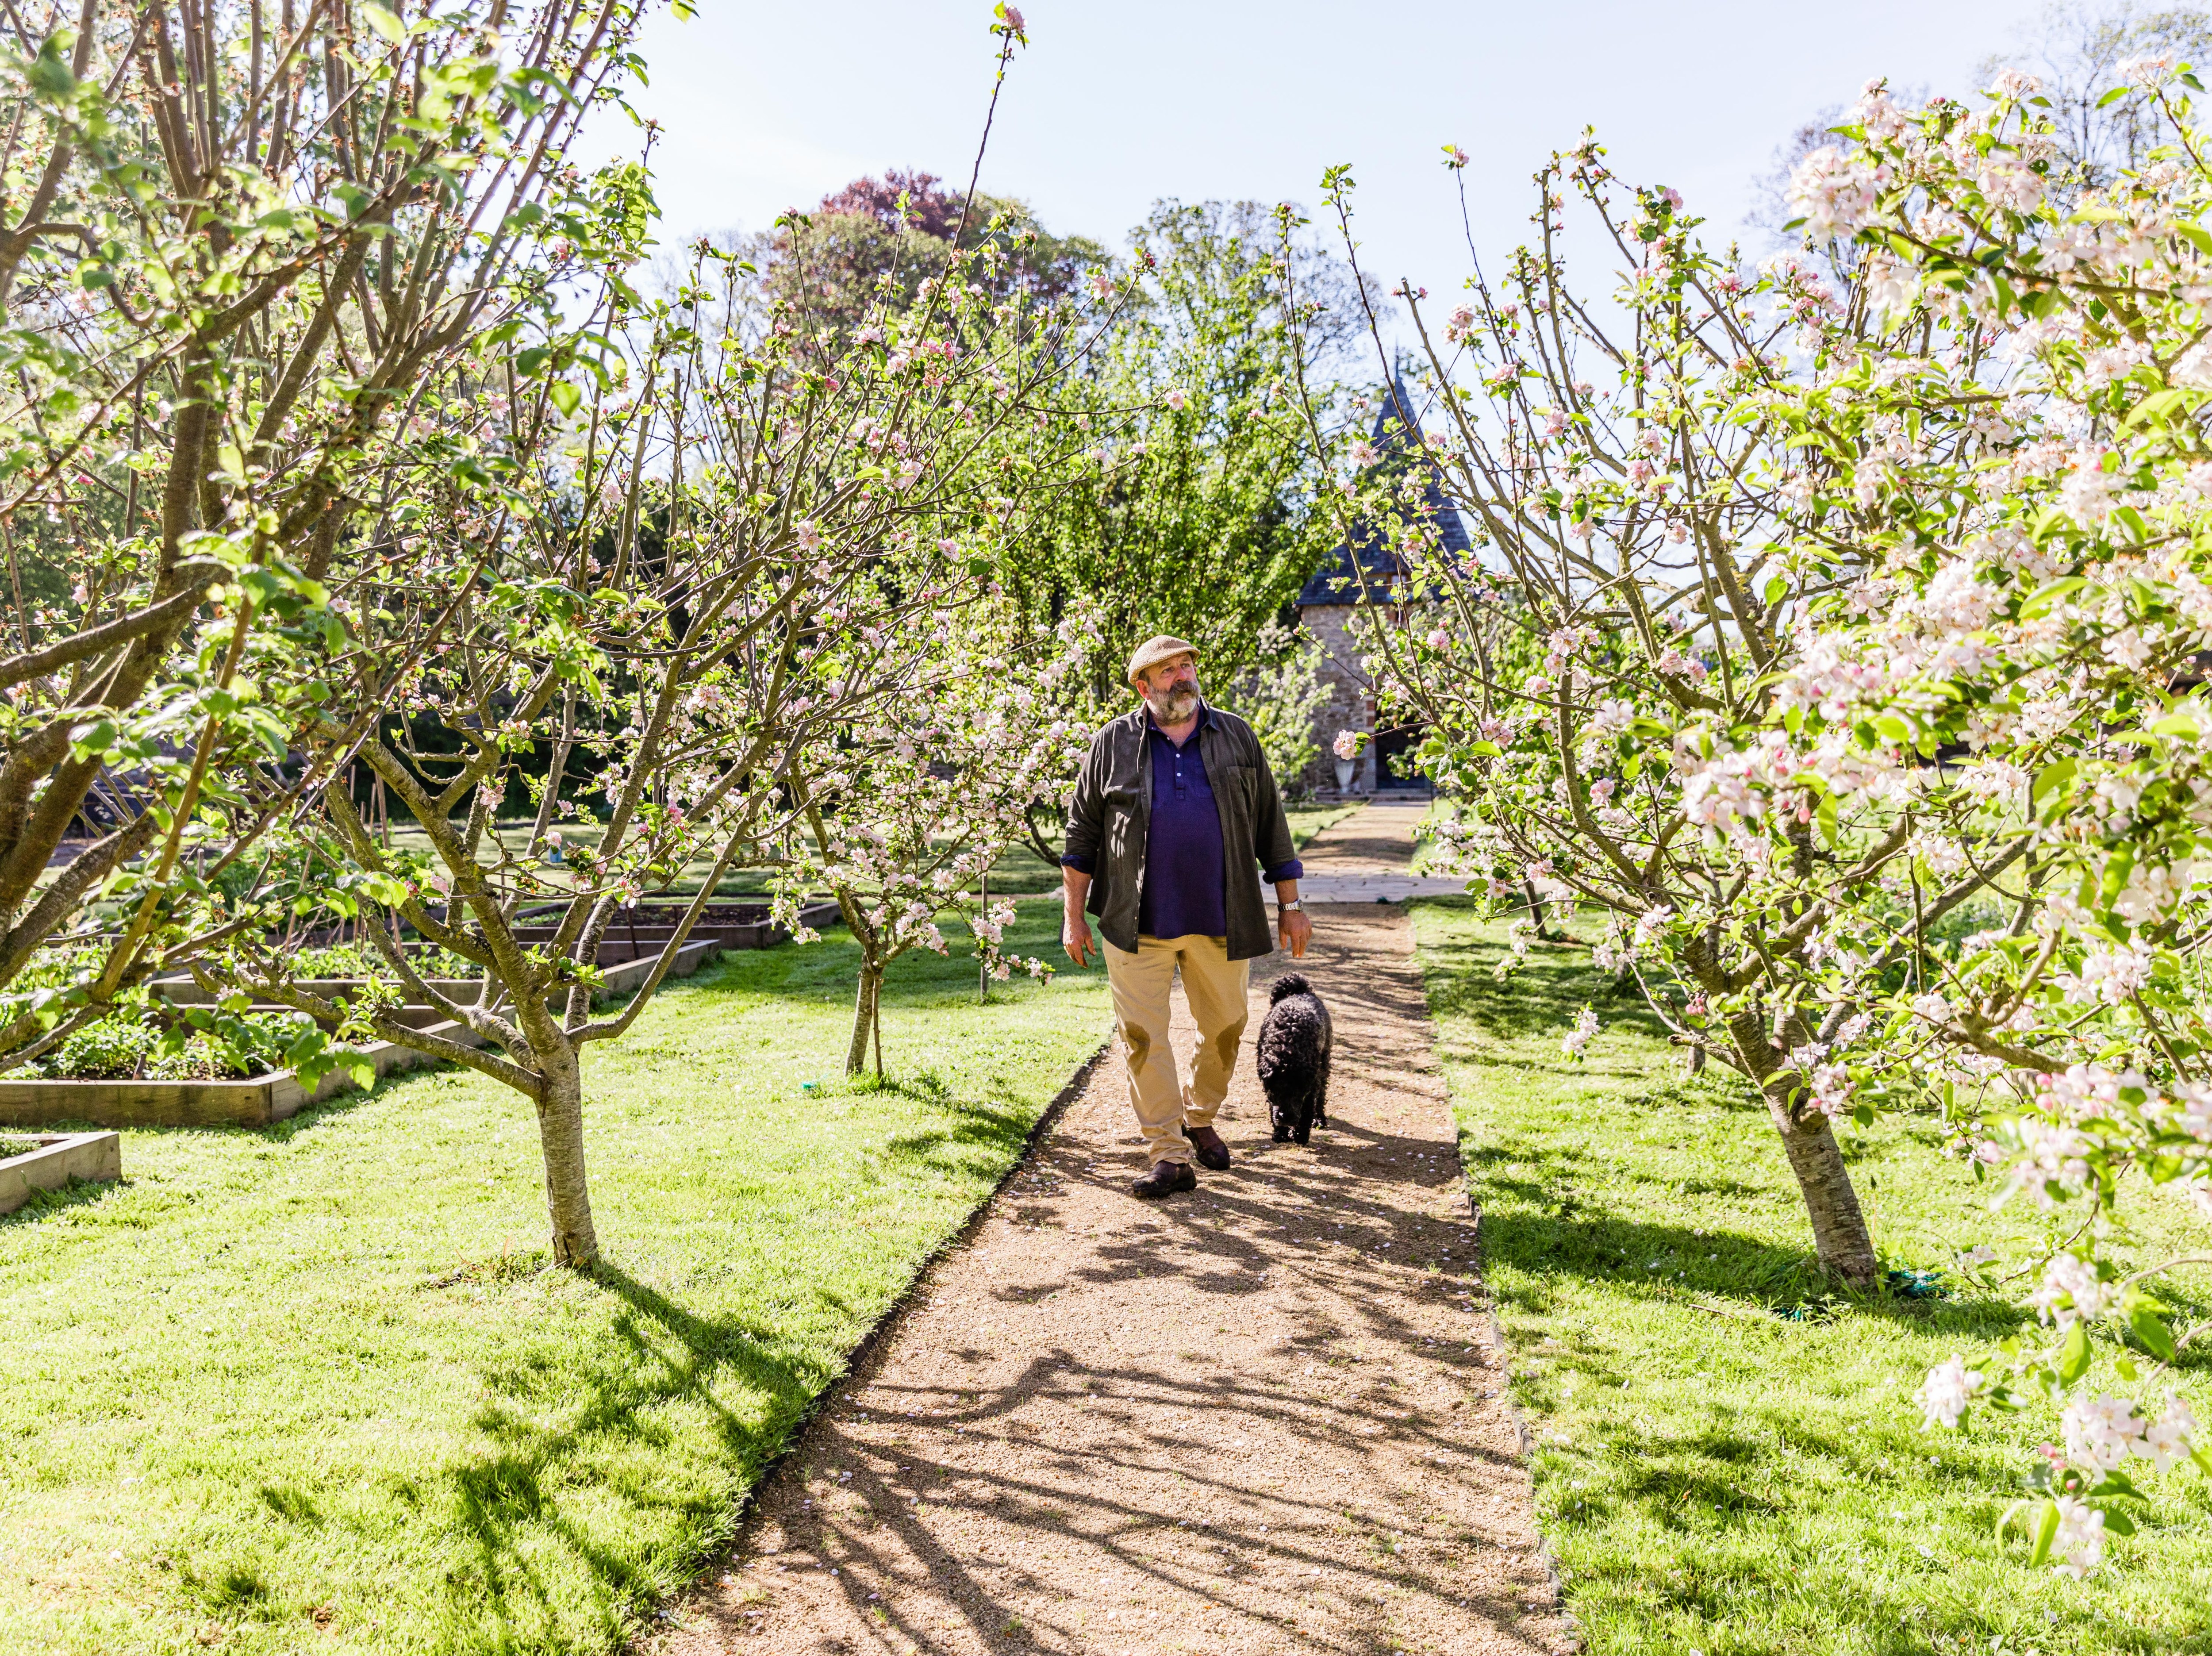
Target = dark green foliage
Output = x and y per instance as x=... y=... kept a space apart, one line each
x=1202 y=522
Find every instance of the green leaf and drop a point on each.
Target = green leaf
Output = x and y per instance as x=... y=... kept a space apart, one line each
x=384 y=22
x=385 y=889
x=49 y=73
x=2156 y=406
x=2074 y=1356
x=565 y=396
x=98 y=737
x=2049 y=780
x=2049 y=594
x=2112 y=1485
x=2045 y=1533
x=2150 y=1328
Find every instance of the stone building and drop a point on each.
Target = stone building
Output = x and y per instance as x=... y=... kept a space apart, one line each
x=1364 y=574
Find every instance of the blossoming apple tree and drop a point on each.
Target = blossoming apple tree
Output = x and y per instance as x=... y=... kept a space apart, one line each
x=2037 y=620
x=244 y=248
x=1601 y=683
x=904 y=810
x=680 y=572
x=1845 y=647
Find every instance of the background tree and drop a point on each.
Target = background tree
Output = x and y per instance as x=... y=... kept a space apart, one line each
x=1199 y=520
x=878 y=239
x=1281 y=696
x=2083 y=53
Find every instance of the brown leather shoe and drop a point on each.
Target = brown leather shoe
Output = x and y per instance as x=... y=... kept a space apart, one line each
x=1165 y=1179
x=1211 y=1151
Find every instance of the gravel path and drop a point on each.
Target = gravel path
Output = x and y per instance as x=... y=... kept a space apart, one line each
x=1261 y=1417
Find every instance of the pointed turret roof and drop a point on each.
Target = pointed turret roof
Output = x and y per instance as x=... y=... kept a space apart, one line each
x=1366 y=552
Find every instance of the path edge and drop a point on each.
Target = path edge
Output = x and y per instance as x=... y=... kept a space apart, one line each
x=656 y=1616
x=1575 y=1638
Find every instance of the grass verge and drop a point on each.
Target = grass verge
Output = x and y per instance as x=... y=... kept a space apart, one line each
x=316 y=1387
x=1713 y=1476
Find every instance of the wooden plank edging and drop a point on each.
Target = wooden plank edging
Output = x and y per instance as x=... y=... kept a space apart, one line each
x=96 y=1158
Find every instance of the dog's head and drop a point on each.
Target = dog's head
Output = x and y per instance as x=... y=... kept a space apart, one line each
x=1290 y=983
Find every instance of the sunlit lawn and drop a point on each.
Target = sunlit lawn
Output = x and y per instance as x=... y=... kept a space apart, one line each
x=1712 y=1476
x=315 y=1388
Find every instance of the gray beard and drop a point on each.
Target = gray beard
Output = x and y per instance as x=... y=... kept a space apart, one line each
x=1173 y=707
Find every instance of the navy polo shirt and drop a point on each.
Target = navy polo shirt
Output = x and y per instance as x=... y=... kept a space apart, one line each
x=1186 y=872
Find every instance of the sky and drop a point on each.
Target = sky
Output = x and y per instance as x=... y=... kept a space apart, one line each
x=1118 y=102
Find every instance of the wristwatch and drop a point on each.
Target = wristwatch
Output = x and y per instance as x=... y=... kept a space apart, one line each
x=1298 y=903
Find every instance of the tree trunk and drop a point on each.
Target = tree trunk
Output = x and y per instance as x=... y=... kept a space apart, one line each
x=560 y=1136
x=1839 y=1227
x=864 y=1017
x=1536 y=912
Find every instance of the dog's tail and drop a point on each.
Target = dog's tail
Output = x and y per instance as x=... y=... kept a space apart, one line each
x=1290 y=982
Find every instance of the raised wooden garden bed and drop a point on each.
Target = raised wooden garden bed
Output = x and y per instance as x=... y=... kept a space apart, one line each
x=733 y=925
x=263 y=1100
x=256 y=1101
x=625 y=969
x=96 y=1158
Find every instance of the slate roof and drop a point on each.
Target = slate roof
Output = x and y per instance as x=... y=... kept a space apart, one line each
x=1335 y=581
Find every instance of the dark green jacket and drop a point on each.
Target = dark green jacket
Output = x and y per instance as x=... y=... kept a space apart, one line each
x=1111 y=812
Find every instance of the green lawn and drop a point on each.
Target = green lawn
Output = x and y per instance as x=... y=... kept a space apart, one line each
x=1713 y=1476
x=315 y=1388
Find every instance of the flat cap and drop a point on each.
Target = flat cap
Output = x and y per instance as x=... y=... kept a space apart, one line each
x=1153 y=651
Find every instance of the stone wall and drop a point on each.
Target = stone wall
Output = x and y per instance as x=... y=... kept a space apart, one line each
x=1350 y=705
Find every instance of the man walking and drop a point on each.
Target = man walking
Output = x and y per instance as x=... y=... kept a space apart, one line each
x=1173 y=817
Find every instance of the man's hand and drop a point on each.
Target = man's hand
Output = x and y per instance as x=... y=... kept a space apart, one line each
x=1075 y=929
x=1075 y=937
x=1296 y=930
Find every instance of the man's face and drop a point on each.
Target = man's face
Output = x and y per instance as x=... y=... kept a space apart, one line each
x=1171 y=689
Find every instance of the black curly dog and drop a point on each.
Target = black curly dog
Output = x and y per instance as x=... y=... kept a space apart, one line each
x=1294 y=1046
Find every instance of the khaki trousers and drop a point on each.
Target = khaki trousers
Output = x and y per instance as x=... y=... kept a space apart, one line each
x=1214 y=985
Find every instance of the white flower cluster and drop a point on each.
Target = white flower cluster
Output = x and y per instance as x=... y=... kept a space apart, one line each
x=2105 y=1432
x=1578 y=1037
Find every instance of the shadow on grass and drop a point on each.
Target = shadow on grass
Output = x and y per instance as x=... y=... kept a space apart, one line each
x=1708 y=1516
x=1572 y=1239
x=543 y=1438
x=1540 y=995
